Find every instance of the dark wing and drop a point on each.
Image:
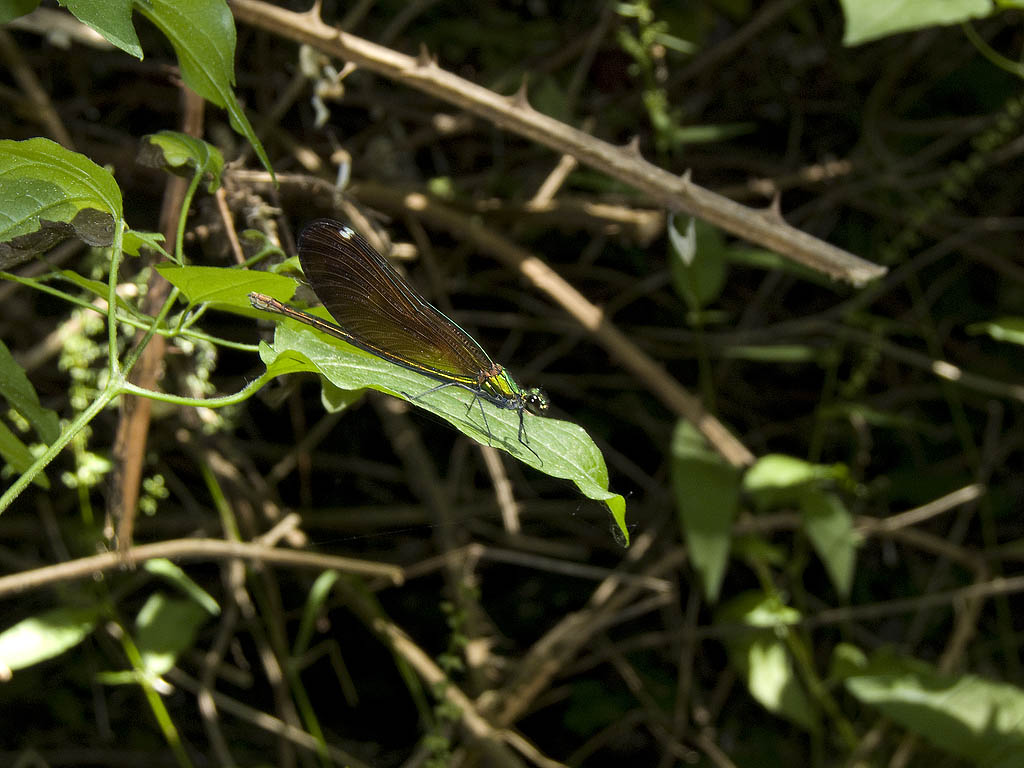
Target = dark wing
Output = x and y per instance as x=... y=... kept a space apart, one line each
x=384 y=314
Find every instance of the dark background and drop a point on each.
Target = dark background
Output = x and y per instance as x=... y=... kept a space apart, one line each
x=896 y=119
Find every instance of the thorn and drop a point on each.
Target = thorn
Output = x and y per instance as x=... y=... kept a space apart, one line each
x=347 y=70
x=424 y=59
x=315 y=18
x=687 y=177
x=632 y=147
x=519 y=99
x=774 y=210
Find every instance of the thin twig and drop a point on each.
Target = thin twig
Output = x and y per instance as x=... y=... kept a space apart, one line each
x=37 y=95
x=190 y=549
x=133 y=425
x=470 y=714
x=926 y=511
x=267 y=722
x=220 y=196
x=502 y=489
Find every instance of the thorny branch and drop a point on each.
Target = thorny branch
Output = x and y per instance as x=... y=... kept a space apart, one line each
x=514 y=113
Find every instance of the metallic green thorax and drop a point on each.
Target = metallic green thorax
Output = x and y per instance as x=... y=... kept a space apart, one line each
x=497 y=383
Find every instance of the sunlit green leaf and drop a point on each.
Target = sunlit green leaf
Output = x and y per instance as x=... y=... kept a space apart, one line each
x=112 y=19
x=871 y=19
x=173 y=574
x=227 y=288
x=829 y=526
x=182 y=154
x=762 y=658
x=46 y=635
x=1009 y=329
x=707 y=491
x=776 y=479
x=965 y=715
x=94 y=287
x=563 y=449
x=165 y=627
x=134 y=241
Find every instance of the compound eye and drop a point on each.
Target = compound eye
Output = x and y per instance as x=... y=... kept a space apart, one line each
x=536 y=401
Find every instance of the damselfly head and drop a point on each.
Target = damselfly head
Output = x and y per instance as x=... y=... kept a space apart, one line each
x=536 y=401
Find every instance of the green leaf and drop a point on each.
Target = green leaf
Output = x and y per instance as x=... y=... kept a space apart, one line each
x=18 y=456
x=134 y=241
x=286 y=362
x=564 y=449
x=593 y=706
x=705 y=134
x=12 y=9
x=770 y=261
x=183 y=155
x=847 y=660
x=112 y=19
x=757 y=609
x=48 y=193
x=871 y=19
x=227 y=288
x=775 y=353
x=42 y=637
x=675 y=43
x=1004 y=329
x=844 y=411
x=779 y=480
x=318 y=595
x=762 y=659
x=335 y=400
x=171 y=573
x=697 y=262
x=203 y=35
x=15 y=386
x=829 y=526
x=96 y=288
x=126 y=677
x=756 y=550
x=964 y=715
x=776 y=470
x=166 y=627
x=773 y=682
x=707 y=491
x=262 y=247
